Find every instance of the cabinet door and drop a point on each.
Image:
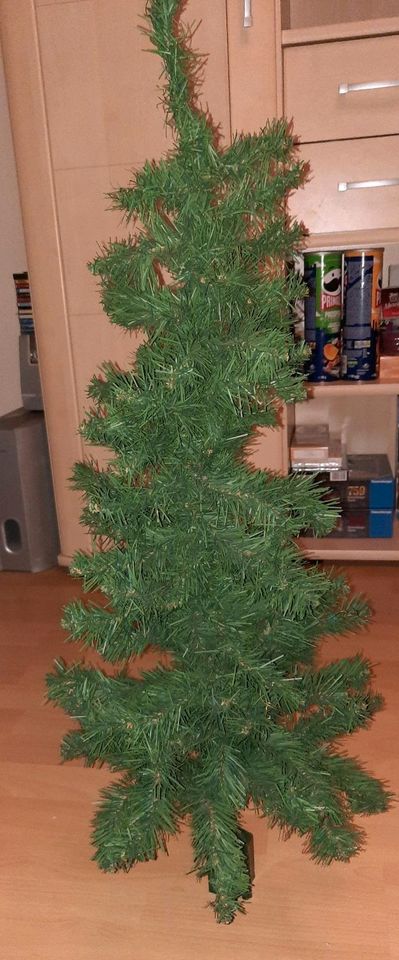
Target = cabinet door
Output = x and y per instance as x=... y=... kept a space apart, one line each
x=320 y=90
x=309 y=13
x=353 y=186
x=254 y=64
x=85 y=112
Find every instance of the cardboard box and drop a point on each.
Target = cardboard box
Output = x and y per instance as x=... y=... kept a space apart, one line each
x=354 y=524
x=359 y=524
x=319 y=460
x=370 y=484
x=390 y=303
x=310 y=442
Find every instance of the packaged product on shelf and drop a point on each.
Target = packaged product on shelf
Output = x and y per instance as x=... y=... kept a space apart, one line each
x=361 y=314
x=370 y=483
x=390 y=303
x=364 y=523
x=323 y=311
x=390 y=322
x=397 y=457
x=310 y=440
x=366 y=493
x=316 y=462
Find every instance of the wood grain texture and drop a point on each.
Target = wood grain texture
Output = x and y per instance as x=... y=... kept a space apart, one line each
x=21 y=52
x=84 y=104
x=304 y=13
x=252 y=58
x=323 y=208
x=334 y=116
x=56 y=905
x=347 y=30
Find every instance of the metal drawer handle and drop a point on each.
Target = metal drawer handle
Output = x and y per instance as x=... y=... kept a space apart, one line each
x=367 y=184
x=247 y=13
x=370 y=85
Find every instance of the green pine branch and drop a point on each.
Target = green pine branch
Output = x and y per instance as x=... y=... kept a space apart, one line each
x=194 y=551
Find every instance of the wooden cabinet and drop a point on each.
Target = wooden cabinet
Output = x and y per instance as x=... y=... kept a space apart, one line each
x=84 y=105
x=334 y=90
x=84 y=110
x=366 y=416
x=340 y=83
x=336 y=59
x=316 y=14
x=353 y=186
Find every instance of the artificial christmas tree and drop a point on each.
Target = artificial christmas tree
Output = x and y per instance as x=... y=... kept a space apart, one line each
x=194 y=549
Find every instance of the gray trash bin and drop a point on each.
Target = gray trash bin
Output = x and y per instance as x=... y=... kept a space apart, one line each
x=28 y=524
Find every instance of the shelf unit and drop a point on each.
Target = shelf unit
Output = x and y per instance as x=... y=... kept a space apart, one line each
x=355 y=398
x=373 y=407
x=339 y=145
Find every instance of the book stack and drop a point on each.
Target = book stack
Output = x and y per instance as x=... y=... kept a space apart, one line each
x=24 y=304
x=28 y=358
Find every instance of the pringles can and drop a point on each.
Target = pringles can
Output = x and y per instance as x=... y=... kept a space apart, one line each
x=362 y=314
x=323 y=311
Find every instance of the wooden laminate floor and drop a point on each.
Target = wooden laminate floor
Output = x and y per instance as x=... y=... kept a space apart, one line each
x=56 y=905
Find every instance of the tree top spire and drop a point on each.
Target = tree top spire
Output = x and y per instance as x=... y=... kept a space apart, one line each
x=182 y=66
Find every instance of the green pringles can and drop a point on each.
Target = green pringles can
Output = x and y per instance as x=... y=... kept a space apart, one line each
x=323 y=314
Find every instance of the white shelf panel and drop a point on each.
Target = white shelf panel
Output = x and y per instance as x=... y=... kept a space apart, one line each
x=352 y=549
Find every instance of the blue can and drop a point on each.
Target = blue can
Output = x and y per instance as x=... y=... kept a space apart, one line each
x=362 y=314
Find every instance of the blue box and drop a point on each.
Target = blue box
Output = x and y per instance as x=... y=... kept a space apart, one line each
x=359 y=524
x=370 y=484
x=381 y=523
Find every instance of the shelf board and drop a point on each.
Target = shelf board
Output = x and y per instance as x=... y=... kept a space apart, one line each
x=351 y=30
x=386 y=387
x=351 y=239
x=352 y=549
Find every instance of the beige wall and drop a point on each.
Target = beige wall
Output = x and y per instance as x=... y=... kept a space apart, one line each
x=12 y=260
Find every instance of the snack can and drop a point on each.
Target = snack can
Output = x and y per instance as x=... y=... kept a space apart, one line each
x=323 y=311
x=362 y=314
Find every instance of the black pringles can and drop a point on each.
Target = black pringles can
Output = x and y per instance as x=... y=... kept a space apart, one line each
x=362 y=314
x=323 y=311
